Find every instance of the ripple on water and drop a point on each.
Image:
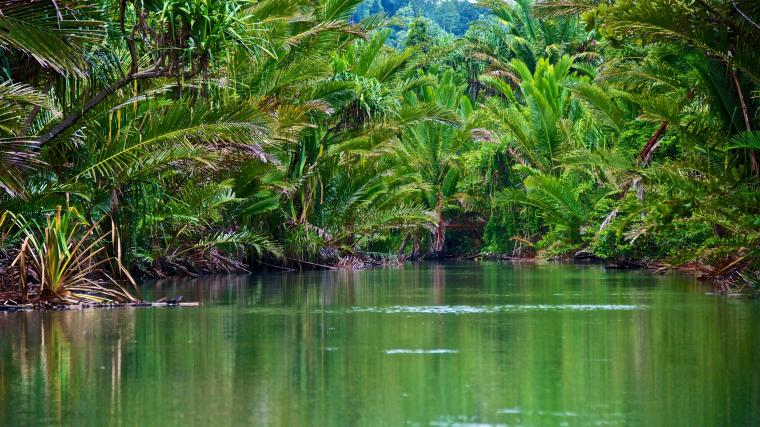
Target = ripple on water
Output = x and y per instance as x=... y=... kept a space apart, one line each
x=467 y=309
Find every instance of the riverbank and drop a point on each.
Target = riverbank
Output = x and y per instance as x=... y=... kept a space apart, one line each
x=732 y=276
x=735 y=280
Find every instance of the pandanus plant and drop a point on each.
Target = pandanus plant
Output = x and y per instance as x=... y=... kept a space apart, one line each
x=69 y=259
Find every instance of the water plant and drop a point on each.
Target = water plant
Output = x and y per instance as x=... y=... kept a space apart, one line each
x=67 y=259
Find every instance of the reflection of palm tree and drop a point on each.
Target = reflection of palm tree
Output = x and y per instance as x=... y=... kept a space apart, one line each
x=439 y=284
x=53 y=351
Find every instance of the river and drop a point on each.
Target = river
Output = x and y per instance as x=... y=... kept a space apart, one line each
x=424 y=344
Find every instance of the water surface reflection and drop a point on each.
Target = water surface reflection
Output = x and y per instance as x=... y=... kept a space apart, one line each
x=425 y=344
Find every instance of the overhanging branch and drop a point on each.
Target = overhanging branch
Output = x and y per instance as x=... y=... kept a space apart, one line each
x=74 y=117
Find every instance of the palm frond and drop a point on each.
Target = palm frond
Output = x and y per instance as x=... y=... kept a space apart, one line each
x=240 y=127
x=55 y=36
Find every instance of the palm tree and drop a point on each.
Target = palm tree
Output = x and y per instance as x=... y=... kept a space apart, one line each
x=152 y=131
x=434 y=151
x=723 y=33
x=36 y=38
x=559 y=201
x=513 y=32
x=334 y=135
x=533 y=123
x=691 y=70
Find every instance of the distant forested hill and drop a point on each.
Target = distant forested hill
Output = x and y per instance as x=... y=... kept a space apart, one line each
x=453 y=16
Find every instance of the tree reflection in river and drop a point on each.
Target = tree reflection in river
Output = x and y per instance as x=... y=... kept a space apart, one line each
x=477 y=343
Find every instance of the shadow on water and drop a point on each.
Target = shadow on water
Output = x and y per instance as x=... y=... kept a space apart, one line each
x=425 y=344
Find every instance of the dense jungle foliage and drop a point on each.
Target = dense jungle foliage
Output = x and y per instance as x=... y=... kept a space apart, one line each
x=165 y=137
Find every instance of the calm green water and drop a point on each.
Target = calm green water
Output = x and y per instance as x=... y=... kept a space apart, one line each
x=460 y=344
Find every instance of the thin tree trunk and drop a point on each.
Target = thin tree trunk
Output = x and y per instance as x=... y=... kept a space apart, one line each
x=403 y=246
x=654 y=142
x=72 y=118
x=416 y=246
x=645 y=155
x=747 y=122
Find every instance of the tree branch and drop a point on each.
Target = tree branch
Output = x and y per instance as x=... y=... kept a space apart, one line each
x=35 y=111
x=74 y=117
x=646 y=153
